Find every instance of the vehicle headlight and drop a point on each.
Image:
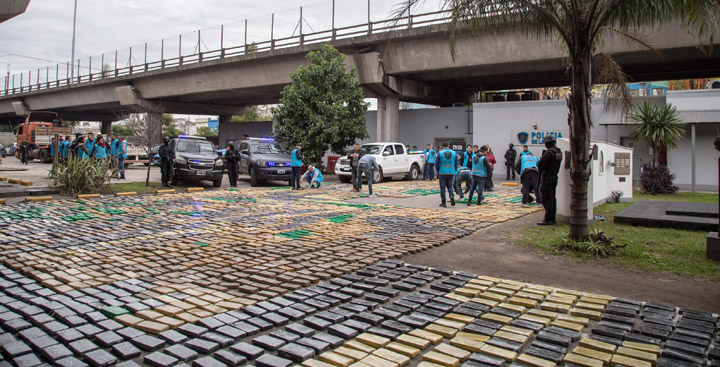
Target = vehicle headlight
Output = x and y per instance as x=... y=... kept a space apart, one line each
x=180 y=160
x=261 y=163
x=218 y=163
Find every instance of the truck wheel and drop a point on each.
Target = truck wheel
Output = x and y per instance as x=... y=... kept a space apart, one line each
x=344 y=179
x=414 y=173
x=218 y=182
x=43 y=155
x=253 y=177
x=377 y=176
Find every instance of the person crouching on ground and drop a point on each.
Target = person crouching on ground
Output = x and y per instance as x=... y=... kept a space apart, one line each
x=463 y=174
x=313 y=176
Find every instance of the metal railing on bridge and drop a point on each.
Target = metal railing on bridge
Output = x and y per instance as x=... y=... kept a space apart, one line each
x=224 y=43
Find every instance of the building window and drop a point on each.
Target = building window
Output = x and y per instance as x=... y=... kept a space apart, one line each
x=602 y=163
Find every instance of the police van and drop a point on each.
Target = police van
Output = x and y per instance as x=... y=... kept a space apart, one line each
x=263 y=159
x=196 y=160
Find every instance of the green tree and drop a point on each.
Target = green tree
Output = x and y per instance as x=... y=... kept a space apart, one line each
x=323 y=108
x=255 y=114
x=206 y=131
x=123 y=130
x=169 y=127
x=657 y=125
x=581 y=27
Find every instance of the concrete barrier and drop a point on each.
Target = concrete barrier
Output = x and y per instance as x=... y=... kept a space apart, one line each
x=88 y=196
x=39 y=198
x=194 y=189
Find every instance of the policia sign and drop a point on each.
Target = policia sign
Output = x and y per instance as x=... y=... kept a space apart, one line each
x=534 y=137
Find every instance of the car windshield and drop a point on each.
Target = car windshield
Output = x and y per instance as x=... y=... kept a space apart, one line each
x=195 y=146
x=265 y=148
x=371 y=149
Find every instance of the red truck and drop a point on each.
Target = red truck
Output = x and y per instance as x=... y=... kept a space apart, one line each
x=38 y=130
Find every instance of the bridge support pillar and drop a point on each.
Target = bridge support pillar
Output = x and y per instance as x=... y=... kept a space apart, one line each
x=387 y=118
x=106 y=127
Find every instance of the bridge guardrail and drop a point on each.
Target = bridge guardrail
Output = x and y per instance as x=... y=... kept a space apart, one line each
x=34 y=80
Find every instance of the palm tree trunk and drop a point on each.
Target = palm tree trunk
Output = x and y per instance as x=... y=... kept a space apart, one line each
x=579 y=121
x=654 y=146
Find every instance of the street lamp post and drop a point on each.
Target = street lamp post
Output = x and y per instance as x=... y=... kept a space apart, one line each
x=72 y=56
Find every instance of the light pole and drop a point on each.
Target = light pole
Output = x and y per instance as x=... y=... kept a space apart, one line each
x=72 y=55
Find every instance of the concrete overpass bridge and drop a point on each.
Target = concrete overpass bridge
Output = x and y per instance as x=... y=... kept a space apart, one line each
x=396 y=61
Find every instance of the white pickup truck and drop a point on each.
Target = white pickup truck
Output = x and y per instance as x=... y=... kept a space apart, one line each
x=392 y=158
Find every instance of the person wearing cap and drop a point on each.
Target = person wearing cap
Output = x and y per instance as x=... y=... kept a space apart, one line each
x=549 y=167
x=296 y=165
x=510 y=156
x=167 y=156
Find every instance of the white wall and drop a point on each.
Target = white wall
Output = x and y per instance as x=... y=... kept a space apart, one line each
x=419 y=127
x=695 y=100
x=604 y=180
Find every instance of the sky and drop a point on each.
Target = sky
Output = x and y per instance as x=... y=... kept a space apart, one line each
x=42 y=36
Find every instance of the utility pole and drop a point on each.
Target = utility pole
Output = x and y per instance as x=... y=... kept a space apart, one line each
x=72 y=56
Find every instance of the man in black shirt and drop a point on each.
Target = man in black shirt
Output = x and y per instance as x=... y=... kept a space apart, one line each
x=510 y=156
x=549 y=167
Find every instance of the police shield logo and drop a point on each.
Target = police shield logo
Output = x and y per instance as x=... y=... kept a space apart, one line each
x=522 y=137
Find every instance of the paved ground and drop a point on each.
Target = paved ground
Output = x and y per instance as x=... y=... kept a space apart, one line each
x=273 y=277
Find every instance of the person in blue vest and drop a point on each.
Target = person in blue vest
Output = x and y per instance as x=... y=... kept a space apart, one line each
x=122 y=154
x=314 y=177
x=462 y=175
x=467 y=157
x=446 y=167
x=430 y=159
x=527 y=168
x=524 y=151
x=296 y=165
x=480 y=167
x=112 y=150
x=90 y=143
x=65 y=147
x=99 y=149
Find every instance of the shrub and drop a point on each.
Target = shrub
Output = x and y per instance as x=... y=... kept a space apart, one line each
x=657 y=180
x=598 y=245
x=81 y=176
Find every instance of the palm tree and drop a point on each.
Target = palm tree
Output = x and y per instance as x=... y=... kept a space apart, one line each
x=658 y=126
x=581 y=26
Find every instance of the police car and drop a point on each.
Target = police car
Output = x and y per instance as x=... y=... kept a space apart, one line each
x=195 y=159
x=263 y=159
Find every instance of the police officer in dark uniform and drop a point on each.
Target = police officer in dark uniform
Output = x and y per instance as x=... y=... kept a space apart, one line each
x=167 y=156
x=510 y=156
x=232 y=156
x=549 y=166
